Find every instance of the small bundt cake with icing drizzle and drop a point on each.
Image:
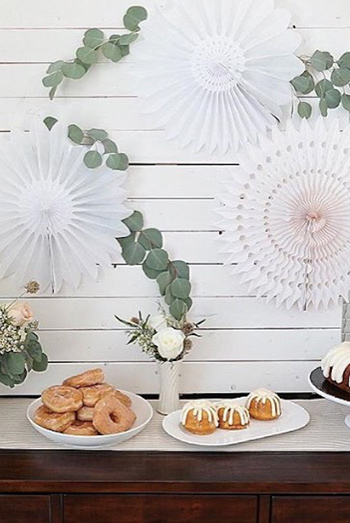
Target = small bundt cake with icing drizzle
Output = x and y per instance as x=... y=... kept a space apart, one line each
x=336 y=366
x=264 y=405
x=199 y=417
x=232 y=416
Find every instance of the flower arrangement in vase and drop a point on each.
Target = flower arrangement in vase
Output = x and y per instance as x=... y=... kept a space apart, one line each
x=167 y=341
x=20 y=348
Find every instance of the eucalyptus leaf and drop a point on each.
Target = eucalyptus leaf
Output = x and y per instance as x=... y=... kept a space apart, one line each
x=117 y=161
x=178 y=309
x=53 y=80
x=73 y=70
x=323 y=107
x=123 y=242
x=344 y=60
x=179 y=269
x=134 y=222
x=41 y=366
x=340 y=77
x=114 y=39
x=93 y=159
x=168 y=297
x=35 y=350
x=345 y=100
x=321 y=60
x=164 y=279
x=332 y=98
x=134 y=254
x=93 y=38
x=98 y=134
x=133 y=17
x=181 y=288
x=322 y=87
x=109 y=146
x=128 y=39
x=50 y=121
x=157 y=259
x=75 y=134
x=87 y=55
x=125 y=50
x=55 y=66
x=189 y=304
x=304 y=109
x=151 y=239
x=6 y=380
x=112 y=52
x=19 y=378
x=304 y=83
x=16 y=362
x=152 y=274
x=29 y=361
x=52 y=92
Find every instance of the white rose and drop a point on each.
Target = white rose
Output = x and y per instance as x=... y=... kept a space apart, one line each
x=20 y=313
x=157 y=322
x=170 y=343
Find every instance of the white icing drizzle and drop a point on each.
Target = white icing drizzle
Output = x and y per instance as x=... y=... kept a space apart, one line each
x=230 y=408
x=265 y=395
x=336 y=361
x=199 y=407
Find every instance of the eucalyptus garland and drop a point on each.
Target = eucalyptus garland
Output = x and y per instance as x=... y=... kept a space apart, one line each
x=95 y=45
x=327 y=79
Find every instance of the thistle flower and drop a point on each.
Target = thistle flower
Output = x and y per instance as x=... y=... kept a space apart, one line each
x=32 y=287
x=187 y=328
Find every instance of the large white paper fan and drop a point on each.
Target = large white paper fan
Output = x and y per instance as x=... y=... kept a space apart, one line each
x=58 y=219
x=287 y=217
x=216 y=73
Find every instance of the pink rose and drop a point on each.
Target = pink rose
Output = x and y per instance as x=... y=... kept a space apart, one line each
x=20 y=313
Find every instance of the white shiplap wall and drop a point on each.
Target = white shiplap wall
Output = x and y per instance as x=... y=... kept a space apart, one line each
x=246 y=343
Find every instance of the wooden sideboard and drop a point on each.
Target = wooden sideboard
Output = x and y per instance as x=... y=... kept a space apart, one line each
x=147 y=487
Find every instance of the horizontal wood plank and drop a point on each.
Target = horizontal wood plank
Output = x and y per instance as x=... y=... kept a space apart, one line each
x=63 y=13
x=217 y=377
x=240 y=313
x=214 y=345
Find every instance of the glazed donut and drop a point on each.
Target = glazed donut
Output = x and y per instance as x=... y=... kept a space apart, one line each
x=111 y=416
x=81 y=428
x=123 y=398
x=53 y=420
x=85 y=413
x=86 y=379
x=91 y=395
x=62 y=399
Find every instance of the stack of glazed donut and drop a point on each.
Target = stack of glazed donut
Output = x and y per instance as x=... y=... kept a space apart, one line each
x=84 y=405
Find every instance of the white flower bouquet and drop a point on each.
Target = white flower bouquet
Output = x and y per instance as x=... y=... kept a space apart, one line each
x=20 y=348
x=162 y=337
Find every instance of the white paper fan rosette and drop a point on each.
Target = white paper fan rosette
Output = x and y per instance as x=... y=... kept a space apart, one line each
x=216 y=73
x=287 y=217
x=58 y=219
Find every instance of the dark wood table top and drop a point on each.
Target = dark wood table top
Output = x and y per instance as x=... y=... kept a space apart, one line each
x=147 y=472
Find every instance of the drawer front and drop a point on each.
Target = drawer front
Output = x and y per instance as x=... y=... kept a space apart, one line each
x=28 y=509
x=160 y=509
x=311 y=509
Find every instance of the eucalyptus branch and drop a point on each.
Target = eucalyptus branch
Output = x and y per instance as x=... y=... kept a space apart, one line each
x=145 y=246
x=94 y=45
x=335 y=74
x=101 y=147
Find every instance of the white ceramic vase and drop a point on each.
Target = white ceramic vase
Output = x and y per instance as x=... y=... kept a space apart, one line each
x=169 y=377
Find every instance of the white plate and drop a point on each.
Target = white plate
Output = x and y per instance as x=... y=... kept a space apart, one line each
x=140 y=406
x=293 y=418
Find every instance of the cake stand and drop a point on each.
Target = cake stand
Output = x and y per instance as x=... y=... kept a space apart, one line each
x=323 y=388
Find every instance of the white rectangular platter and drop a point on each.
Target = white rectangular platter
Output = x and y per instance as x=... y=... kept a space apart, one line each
x=293 y=418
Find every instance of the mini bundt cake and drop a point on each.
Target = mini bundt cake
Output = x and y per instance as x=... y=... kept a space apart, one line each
x=232 y=416
x=264 y=405
x=336 y=366
x=199 y=417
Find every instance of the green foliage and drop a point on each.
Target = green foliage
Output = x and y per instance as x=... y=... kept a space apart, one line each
x=14 y=366
x=50 y=121
x=93 y=159
x=331 y=89
x=95 y=44
x=145 y=246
